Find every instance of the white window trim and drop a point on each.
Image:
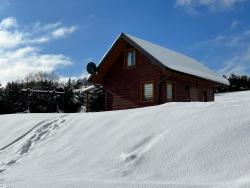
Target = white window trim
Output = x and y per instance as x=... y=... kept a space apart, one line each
x=172 y=97
x=133 y=61
x=151 y=97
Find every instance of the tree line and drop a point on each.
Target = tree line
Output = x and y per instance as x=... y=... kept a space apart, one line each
x=44 y=93
x=19 y=96
x=237 y=83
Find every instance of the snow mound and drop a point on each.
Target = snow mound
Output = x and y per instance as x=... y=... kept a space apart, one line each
x=171 y=145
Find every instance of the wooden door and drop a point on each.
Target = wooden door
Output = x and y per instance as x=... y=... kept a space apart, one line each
x=170 y=92
x=193 y=94
x=205 y=96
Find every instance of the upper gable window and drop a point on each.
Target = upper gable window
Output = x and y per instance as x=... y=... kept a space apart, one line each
x=130 y=58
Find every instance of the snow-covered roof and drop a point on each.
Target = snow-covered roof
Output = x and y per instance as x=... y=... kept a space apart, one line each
x=84 y=89
x=90 y=88
x=177 y=61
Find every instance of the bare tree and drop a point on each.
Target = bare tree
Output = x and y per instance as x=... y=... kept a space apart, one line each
x=41 y=76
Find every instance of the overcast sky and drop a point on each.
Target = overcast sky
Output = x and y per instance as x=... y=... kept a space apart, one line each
x=64 y=35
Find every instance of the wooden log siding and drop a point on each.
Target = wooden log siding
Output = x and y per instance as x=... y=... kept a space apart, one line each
x=181 y=92
x=126 y=84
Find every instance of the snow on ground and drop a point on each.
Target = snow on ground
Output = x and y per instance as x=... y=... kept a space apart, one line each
x=179 y=145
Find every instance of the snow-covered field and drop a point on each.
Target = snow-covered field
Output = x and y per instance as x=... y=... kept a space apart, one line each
x=171 y=145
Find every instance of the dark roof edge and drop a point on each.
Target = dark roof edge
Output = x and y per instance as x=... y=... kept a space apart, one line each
x=148 y=55
x=106 y=54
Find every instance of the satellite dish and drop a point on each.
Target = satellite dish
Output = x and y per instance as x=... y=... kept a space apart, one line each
x=91 y=68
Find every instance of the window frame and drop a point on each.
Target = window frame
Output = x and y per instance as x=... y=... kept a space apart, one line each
x=143 y=83
x=126 y=66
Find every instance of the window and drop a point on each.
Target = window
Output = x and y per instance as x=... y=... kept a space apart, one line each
x=148 y=91
x=130 y=58
x=170 y=92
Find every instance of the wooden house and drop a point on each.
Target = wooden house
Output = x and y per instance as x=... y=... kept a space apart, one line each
x=137 y=73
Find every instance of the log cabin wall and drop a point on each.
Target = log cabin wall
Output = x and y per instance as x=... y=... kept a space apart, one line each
x=181 y=91
x=183 y=86
x=124 y=85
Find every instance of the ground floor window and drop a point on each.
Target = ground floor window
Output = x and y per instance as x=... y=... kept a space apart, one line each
x=148 y=91
x=170 y=91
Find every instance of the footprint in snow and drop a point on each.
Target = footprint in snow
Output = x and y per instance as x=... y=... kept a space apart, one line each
x=11 y=153
x=142 y=147
x=132 y=158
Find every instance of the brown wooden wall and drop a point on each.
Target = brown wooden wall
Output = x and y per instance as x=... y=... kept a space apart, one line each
x=183 y=84
x=124 y=85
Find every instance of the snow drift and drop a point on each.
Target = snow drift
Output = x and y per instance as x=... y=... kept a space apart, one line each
x=171 y=145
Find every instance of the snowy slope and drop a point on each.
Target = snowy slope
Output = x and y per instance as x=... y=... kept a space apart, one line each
x=171 y=145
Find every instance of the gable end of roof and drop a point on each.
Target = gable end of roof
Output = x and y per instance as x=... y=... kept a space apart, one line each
x=168 y=59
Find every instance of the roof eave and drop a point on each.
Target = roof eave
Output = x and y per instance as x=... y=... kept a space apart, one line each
x=179 y=72
x=148 y=55
x=105 y=55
